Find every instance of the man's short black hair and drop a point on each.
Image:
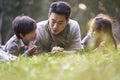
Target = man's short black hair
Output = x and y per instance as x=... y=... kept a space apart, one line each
x=60 y=7
x=23 y=25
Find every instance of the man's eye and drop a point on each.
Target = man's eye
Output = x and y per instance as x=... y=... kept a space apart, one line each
x=60 y=23
x=53 y=21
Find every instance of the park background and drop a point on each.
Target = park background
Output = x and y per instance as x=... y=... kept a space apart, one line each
x=82 y=11
x=86 y=65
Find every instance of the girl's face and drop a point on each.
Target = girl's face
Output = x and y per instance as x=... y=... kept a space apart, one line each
x=29 y=37
x=97 y=34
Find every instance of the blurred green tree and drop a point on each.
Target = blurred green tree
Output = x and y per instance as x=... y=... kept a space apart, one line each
x=38 y=10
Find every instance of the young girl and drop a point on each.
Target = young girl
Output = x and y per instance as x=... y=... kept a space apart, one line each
x=100 y=35
x=25 y=32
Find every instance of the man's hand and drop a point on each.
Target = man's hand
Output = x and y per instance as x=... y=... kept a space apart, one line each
x=56 y=49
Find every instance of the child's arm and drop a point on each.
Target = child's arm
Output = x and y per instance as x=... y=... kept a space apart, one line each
x=13 y=48
x=16 y=49
x=32 y=50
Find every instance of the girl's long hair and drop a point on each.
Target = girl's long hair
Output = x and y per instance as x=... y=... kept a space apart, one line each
x=104 y=23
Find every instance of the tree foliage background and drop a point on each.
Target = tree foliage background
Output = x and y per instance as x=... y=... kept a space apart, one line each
x=38 y=10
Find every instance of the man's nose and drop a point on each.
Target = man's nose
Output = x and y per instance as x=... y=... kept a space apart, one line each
x=55 y=25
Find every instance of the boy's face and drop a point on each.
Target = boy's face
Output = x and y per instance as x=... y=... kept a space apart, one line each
x=57 y=23
x=29 y=37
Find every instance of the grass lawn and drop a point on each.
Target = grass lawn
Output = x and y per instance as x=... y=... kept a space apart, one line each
x=79 y=66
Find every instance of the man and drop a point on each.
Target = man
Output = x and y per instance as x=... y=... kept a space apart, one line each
x=58 y=33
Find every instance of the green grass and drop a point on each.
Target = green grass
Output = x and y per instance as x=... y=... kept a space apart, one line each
x=79 y=66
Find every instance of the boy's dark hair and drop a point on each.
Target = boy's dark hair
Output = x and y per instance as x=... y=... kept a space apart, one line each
x=60 y=7
x=23 y=25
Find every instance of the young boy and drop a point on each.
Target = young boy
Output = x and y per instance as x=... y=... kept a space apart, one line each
x=22 y=42
x=4 y=56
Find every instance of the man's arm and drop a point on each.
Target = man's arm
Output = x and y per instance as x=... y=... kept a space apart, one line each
x=75 y=39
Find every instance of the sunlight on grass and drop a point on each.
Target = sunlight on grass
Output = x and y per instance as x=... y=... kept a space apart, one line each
x=80 y=66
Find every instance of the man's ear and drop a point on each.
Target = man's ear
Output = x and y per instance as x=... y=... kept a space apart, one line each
x=48 y=15
x=21 y=36
x=67 y=20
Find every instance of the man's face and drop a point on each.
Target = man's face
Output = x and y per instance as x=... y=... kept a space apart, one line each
x=57 y=23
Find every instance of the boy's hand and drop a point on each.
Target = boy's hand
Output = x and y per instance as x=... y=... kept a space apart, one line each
x=32 y=49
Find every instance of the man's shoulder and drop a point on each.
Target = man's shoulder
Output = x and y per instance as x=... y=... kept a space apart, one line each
x=73 y=24
x=71 y=21
x=42 y=23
